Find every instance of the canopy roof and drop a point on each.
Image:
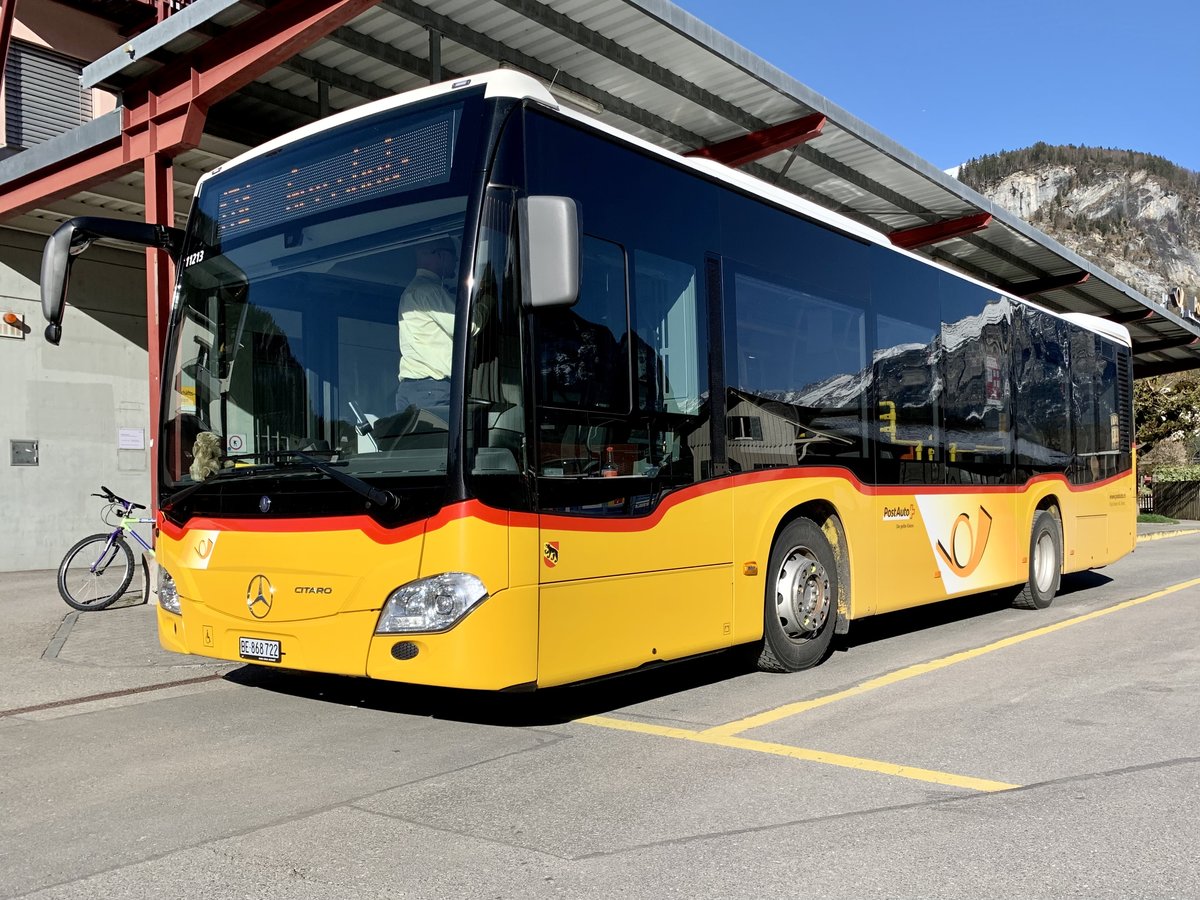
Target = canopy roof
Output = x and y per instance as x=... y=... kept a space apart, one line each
x=644 y=66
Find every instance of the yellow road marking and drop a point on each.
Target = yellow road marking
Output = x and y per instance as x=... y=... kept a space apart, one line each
x=794 y=709
x=817 y=756
x=1160 y=535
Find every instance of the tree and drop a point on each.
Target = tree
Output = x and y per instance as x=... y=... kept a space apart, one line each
x=1166 y=407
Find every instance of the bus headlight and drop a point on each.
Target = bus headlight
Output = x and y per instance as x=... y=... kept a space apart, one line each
x=430 y=604
x=168 y=594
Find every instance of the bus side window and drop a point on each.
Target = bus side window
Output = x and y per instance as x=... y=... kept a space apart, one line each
x=581 y=361
x=907 y=392
x=579 y=349
x=1093 y=408
x=906 y=427
x=796 y=374
x=977 y=404
x=1040 y=405
x=670 y=365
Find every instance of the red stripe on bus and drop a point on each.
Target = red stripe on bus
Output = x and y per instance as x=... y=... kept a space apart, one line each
x=473 y=509
x=365 y=524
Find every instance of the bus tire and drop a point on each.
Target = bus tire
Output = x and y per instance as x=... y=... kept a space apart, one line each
x=800 y=606
x=1045 y=563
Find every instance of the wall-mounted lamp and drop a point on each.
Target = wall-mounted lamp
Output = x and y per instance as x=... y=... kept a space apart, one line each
x=14 y=326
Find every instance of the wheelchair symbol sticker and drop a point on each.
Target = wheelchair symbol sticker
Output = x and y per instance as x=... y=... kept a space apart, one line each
x=235 y=442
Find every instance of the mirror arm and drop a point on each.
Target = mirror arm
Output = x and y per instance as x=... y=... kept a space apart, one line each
x=73 y=237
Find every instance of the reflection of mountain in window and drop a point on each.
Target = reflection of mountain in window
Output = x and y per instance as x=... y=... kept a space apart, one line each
x=798 y=368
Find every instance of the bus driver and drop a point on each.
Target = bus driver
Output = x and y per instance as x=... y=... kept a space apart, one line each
x=426 y=323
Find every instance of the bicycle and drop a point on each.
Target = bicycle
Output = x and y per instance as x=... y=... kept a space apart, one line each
x=91 y=568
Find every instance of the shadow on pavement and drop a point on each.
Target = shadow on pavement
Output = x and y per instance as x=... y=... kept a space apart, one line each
x=550 y=706
x=959 y=609
x=557 y=705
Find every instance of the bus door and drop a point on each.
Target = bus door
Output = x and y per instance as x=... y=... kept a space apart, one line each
x=636 y=546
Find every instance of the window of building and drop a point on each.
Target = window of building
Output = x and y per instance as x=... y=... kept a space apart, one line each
x=44 y=96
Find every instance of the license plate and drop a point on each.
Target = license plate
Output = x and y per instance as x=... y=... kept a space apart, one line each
x=259 y=649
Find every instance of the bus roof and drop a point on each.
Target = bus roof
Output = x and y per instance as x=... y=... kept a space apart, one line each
x=500 y=83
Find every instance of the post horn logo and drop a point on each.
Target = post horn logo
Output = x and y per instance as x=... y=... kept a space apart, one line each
x=966 y=547
x=259 y=596
x=550 y=554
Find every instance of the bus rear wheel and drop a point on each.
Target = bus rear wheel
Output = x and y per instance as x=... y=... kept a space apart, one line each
x=800 y=607
x=1045 y=563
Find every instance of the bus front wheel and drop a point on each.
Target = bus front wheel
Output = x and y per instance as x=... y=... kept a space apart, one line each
x=801 y=599
x=1045 y=563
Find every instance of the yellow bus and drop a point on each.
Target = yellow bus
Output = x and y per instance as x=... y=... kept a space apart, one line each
x=466 y=389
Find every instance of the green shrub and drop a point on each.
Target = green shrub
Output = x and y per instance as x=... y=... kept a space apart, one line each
x=1177 y=473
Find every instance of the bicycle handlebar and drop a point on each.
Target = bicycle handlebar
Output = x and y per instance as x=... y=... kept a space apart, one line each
x=113 y=498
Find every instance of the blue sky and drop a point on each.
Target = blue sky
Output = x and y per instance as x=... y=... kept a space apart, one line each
x=951 y=81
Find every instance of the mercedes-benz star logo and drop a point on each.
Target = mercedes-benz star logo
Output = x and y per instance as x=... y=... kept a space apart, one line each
x=259 y=596
x=264 y=503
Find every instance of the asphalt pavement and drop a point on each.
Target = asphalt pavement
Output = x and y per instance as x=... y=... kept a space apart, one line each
x=962 y=749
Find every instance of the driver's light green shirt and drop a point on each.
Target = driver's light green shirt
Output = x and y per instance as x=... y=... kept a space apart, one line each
x=426 y=328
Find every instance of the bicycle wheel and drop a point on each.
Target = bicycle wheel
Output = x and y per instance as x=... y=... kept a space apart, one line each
x=94 y=573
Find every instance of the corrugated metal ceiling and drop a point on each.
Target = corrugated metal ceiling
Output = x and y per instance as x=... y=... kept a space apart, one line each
x=647 y=67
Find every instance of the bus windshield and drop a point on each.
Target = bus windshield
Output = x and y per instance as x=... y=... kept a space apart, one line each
x=285 y=337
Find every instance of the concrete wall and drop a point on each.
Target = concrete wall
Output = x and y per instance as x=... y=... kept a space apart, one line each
x=73 y=399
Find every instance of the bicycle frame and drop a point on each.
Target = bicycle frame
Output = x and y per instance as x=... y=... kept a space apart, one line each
x=127 y=523
x=126 y=527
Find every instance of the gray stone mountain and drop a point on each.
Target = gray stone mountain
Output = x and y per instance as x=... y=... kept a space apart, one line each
x=1133 y=214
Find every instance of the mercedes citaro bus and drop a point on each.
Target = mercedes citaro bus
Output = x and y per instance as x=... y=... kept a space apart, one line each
x=683 y=409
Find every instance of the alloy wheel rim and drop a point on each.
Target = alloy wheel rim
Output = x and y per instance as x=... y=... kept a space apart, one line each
x=1043 y=562
x=803 y=594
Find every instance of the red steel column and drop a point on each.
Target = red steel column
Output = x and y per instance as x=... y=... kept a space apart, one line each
x=8 y=12
x=160 y=280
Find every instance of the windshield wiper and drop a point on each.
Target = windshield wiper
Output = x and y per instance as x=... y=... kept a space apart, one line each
x=220 y=475
x=378 y=496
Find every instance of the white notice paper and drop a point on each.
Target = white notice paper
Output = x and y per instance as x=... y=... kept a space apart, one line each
x=131 y=439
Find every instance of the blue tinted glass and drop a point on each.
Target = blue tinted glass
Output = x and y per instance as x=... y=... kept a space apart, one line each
x=582 y=351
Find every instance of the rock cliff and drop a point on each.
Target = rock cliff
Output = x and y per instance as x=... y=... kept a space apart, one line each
x=1133 y=214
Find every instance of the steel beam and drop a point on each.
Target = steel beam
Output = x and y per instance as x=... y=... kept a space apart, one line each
x=99 y=164
x=165 y=113
x=1093 y=304
x=494 y=49
x=762 y=143
x=238 y=56
x=294 y=103
x=937 y=232
x=1053 y=283
x=384 y=52
x=1186 y=340
x=1127 y=318
x=435 y=56
x=1164 y=367
x=336 y=78
x=962 y=265
x=607 y=48
x=8 y=12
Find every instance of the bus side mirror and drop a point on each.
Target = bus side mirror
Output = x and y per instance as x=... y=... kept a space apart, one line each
x=73 y=237
x=549 y=230
x=56 y=271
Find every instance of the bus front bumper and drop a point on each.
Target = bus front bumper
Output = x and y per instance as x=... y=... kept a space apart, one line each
x=493 y=648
